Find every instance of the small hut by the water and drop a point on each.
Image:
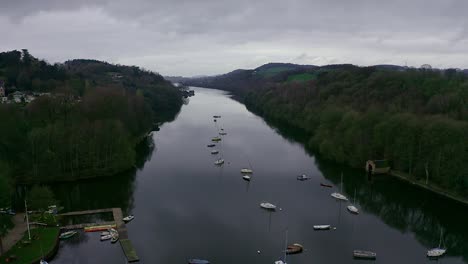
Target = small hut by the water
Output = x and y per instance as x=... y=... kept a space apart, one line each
x=377 y=166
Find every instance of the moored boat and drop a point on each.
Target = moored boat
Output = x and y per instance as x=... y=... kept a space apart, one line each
x=246 y=177
x=43 y=262
x=326 y=185
x=222 y=133
x=246 y=171
x=215 y=151
x=105 y=233
x=106 y=237
x=303 y=177
x=294 y=249
x=216 y=116
x=211 y=145
x=339 y=196
x=352 y=209
x=216 y=139
x=268 y=206
x=128 y=218
x=198 y=261
x=363 y=254
x=322 y=227
x=438 y=251
x=219 y=162
x=67 y=234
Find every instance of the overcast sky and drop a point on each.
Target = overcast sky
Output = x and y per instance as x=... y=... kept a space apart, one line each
x=198 y=37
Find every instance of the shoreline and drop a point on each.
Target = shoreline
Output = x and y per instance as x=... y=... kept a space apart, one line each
x=432 y=188
x=394 y=173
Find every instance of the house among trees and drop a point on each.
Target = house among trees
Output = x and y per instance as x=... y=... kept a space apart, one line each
x=377 y=166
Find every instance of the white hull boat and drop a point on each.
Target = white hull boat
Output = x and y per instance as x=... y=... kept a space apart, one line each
x=246 y=171
x=362 y=254
x=219 y=162
x=322 y=227
x=214 y=152
x=106 y=237
x=268 y=206
x=222 y=133
x=128 y=218
x=105 y=233
x=246 y=177
x=43 y=262
x=436 y=252
x=339 y=196
x=352 y=209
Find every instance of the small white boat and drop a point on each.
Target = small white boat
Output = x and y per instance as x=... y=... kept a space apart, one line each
x=67 y=234
x=219 y=162
x=106 y=237
x=222 y=133
x=280 y=262
x=215 y=151
x=303 y=177
x=438 y=251
x=43 y=262
x=128 y=218
x=322 y=227
x=363 y=254
x=246 y=171
x=246 y=177
x=105 y=233
x=352 y=209
x=339 y=196
x=268 y=206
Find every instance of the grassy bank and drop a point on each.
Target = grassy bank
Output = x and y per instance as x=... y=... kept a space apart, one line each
x=43 y=243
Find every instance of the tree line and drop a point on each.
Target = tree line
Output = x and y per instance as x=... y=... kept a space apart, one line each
x=89 y=125
x=417 y=119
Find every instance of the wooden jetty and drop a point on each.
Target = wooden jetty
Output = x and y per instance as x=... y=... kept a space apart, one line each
x=125 y=243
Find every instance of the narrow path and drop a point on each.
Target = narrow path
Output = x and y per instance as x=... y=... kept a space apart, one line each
x=15 y=234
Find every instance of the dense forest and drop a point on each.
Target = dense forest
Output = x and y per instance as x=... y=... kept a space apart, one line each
x=415 y=118
x=84 y=122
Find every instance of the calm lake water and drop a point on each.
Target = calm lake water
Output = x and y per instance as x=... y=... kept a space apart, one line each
x=186 y=207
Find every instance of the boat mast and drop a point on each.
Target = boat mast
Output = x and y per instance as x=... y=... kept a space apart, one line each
x=341 y=182
x=27 y=218
x=285 y=246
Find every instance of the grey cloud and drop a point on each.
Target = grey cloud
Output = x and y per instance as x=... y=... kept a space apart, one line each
x=213 y=36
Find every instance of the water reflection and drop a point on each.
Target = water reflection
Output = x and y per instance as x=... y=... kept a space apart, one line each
x=400 y=205
x=186 y=207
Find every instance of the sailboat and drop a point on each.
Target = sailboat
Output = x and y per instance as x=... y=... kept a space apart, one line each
x=340 y=196
x=438 y=251
x=351 y=208
x=285 y=250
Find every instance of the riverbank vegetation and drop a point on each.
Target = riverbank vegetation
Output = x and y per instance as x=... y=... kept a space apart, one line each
x=84 y=121
x=42 y=244
x=417 y=119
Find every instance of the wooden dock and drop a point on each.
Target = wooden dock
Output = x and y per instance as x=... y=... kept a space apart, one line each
x=125 y=243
